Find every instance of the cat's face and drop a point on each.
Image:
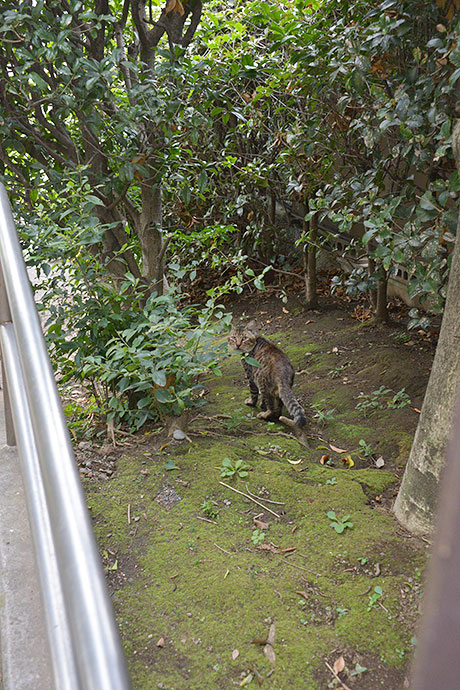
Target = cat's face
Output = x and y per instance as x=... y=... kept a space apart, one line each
x=243 y=338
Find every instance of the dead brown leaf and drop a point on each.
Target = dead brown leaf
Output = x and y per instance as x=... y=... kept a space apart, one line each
x=337 y=450
x=270 y=653
x=302 y=593
x=235 y=654
x=261 y=524
x=323 y=459
x=268 y=649
x=161 y=642
x=268 y=547
x=339 y=664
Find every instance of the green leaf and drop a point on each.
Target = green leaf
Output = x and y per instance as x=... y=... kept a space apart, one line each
x=331 y=515
x=253 y=362
x=186 y=194
x=163 y=396
x=171 y=465
x=37 y=80
x=159 y=377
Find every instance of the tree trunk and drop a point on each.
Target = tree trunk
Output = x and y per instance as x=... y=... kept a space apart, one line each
x=371 y=272
x=150 y=236
x=381 y=306
x=416 y=500
x=309 y=264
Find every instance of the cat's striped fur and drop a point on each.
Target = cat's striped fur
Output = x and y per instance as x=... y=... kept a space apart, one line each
x=273 y=379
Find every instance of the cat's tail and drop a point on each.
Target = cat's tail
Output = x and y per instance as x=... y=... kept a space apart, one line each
x=294 y=408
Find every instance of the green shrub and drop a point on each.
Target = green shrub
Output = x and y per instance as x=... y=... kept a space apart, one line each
x=141 y=361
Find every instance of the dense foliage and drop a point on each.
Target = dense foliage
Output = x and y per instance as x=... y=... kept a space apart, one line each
x=141 y=141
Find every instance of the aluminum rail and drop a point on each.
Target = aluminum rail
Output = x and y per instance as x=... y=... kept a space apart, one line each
x=91 y=656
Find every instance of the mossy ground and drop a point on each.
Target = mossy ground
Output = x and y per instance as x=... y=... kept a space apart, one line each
x=195 y=594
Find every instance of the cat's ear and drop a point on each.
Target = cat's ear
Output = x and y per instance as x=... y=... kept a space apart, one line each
x=252 y=326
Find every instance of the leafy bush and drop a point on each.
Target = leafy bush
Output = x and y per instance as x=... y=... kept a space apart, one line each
x=142 y=358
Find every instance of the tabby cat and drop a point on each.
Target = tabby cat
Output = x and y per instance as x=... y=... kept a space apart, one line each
x=273 y=379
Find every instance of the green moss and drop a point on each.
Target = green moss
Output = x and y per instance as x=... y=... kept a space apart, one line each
x=207 y=589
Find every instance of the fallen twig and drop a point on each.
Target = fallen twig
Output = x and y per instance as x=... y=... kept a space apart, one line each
x=267 y=500
x=300 y=567
x=250 y=499
x=126 y=433
x=221 y=549
x=344 y=686
x=213 y=522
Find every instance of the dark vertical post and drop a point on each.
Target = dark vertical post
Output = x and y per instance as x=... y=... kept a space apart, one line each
x=5 y=317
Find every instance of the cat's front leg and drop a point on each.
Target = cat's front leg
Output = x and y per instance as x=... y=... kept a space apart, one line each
x=252 y=401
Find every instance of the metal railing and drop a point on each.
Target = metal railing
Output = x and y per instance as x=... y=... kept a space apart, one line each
x=83 y=638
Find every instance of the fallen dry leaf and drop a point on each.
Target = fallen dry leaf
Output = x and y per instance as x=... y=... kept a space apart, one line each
x=268 y=649
x=161 y=642
x=235 y=654
x=270 y=653
x=337 y=450
x=323 y=459
x=302 y=593
x=268 y=547
x=294 y=462
x=379 y=462
x=416 y=410
x=339 y=664
x=347 y=461
x=285 y=311
x=246 y=680
x=261 y=524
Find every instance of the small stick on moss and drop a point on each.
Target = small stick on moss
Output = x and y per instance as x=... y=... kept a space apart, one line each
x=345 y=687
x=383 y=607
x=251 y=499
x=267 y=500
x=213 y=522
x=129 y=513
x=221 y=549
x=313 y=572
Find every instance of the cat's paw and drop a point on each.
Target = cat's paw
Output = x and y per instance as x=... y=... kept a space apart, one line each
x=268 y=416
x=250 y=402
